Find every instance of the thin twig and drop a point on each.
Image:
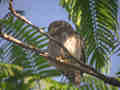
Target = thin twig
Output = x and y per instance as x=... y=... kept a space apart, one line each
x=20 y=43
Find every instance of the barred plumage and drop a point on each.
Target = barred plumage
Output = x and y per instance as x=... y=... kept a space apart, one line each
x=65 y=34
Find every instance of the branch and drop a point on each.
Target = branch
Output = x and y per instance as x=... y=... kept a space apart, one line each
x=20 y=43
x=83 y=67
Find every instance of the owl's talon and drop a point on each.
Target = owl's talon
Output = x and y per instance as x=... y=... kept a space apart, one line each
x=61 y=60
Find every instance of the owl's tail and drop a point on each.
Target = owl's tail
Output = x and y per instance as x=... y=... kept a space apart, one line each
x=74 y=77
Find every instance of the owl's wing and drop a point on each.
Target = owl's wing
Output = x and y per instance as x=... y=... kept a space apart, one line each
x=82 y=44
x=80 y=48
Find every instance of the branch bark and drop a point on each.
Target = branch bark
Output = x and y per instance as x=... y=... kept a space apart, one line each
x=83 y=67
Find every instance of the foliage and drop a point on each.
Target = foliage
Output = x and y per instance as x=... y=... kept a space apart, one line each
x=96 y=20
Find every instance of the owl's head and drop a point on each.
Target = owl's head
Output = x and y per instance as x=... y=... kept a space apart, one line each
x=58 y=27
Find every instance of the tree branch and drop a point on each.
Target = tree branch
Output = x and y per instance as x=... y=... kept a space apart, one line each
x=20 y=43
x=83 y=67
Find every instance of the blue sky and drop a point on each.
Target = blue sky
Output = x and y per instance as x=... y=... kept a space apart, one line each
x=43 y=12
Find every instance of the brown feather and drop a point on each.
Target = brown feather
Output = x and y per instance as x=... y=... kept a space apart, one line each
x=65 y=34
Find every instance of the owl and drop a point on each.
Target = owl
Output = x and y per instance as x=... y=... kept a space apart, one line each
x=63 y=32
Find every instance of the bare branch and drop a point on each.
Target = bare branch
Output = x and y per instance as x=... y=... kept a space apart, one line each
x=20 y=43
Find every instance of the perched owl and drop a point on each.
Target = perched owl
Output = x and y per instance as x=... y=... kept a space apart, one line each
x=64 y=33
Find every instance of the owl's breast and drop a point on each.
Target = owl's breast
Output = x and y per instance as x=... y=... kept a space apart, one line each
x=70 y=44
